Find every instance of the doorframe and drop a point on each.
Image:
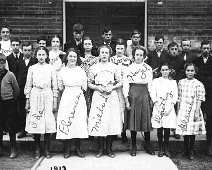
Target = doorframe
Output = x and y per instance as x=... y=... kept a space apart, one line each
x=145 y=22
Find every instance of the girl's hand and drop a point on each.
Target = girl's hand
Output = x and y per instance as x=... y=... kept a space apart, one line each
x=196 y=115
x=108 y=89
x=27 y=106
x=100 y=89
x=127 y=104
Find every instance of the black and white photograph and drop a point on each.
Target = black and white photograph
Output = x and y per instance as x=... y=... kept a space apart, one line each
x=105 y=84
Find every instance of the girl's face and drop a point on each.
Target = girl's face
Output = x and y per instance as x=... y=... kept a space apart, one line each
x=139 y=55
x=41 y=56
x=165 y=71
x=120 y=50
x=190 y=72
x=55 y=42
x=104 y=54
x=87 y=45
x=72 y=58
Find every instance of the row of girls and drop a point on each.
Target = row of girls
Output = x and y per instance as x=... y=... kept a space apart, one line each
x=99 y=98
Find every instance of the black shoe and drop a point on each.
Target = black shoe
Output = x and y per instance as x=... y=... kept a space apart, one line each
x=133 y=152
x=80 y=154
x=37 y=152
x=22 y=134
x=67 y=155
x=99 y=154
x=110 y=154
x=13 y=154
x=191 y=155
x=183 y=153
x=160 y=152
x=149 y=149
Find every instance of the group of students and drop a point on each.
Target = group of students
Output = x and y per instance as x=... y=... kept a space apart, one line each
x=104 y=90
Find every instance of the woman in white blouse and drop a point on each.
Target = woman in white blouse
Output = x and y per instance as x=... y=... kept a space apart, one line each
x=136 y=86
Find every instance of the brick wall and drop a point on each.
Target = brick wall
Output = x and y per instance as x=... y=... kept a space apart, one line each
x=173 y=18
x=178 y=18
x=31 y=18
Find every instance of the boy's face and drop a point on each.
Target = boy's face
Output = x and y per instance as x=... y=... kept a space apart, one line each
x=15 y=46
x=27 y=51
x=107 y=36
x=159 y=44
x=42 y=43
x=5 y=34
x=173 y=51
x=206 y=48
x=186 y=46
x=135 y=39
x=120 y=50
x=78 y=35
x=87 y=45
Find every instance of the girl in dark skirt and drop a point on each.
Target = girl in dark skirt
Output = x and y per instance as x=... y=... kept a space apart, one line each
x=137 y=83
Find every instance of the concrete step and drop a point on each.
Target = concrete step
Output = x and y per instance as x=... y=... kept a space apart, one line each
x=91 y=145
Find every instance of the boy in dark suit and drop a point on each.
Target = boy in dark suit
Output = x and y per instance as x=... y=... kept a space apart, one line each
x=204 y=74
x=22 y=70
x=187 y=56
x=15 y=56
x=78 y=32
x=107 y=39
x=9 y=91
x=158 y=56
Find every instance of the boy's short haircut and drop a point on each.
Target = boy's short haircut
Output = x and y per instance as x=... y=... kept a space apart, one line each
x=185 y=39
x=3 y=58
x=158 y=37
x=78 y=28
x=106 y=29
x=5 y=25
x=15 y=39
x=26 y=44
x=172 y=44
x=120 y=41
x=205 y=42
x=43 y=37
x=136 y=32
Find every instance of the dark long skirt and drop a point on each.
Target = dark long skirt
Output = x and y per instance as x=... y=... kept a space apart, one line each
x=139 y=117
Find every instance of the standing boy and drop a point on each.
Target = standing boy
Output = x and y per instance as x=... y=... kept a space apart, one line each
x=187 y=56
x=9 y=91
x=158 y=56
x=22 y=70
x=204 y=65
x=135 y=37
x=15 y=56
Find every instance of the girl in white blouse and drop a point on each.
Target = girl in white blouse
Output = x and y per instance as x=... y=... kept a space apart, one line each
x=136 y=87
x=164 y=96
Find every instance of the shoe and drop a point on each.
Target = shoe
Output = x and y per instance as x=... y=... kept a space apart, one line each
x=22 y=134
x=37 y=152
x=191 y=155
x=149 y=149
x=160 y=152
x=133 y=152
x=67 y=155
x=13 y=154
x=99 y=154
x=166 y=150
x=80 y=154
x=183 y=153
x=111 y=154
